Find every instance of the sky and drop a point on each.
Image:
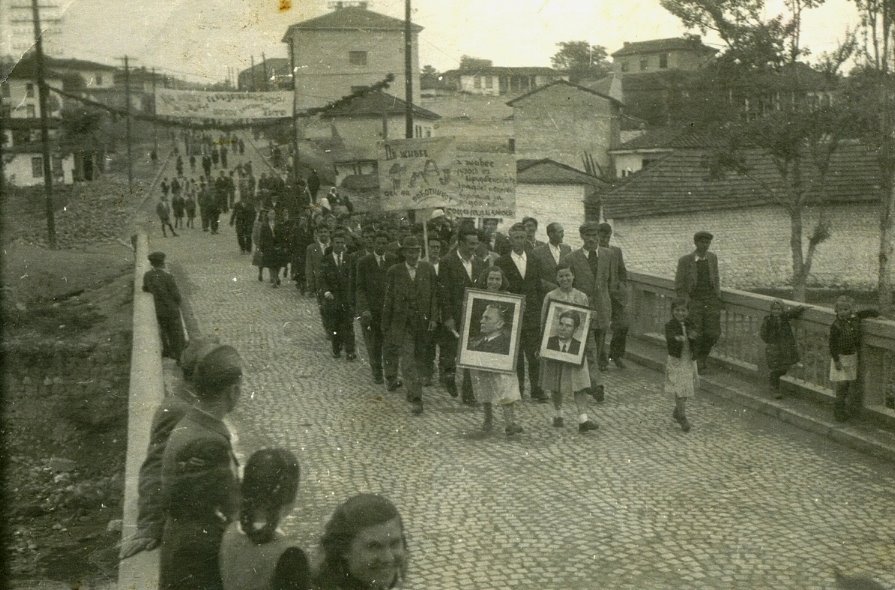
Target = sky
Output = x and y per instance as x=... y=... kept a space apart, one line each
x=201 y=40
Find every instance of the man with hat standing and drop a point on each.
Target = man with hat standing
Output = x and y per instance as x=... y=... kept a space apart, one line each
x=619 y=298
x=697 y=280
x=409 y=314
x=595 y=275
x=167 y=305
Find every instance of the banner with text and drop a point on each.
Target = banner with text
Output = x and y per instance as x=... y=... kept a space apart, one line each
x=432 y=172
x=198 y=104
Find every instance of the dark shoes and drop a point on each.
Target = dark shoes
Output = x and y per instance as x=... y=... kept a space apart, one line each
x=619 y=362
x=337 y=355
x=587 y=426
x=451 y=387
x=417 y=408
x=599 y=393
x=558 y=422
x=539 y=398
x=513 y=429
x=393 y=385
x=681 y=419
x=350 y=356
x=378 y=380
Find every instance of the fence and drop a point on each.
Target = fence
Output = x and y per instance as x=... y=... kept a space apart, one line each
x=740 y=347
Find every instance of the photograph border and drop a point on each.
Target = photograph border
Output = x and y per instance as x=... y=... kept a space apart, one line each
x=484 y=361
x=546 y=353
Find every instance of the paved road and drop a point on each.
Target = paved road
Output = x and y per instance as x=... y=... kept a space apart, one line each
x=742 y=501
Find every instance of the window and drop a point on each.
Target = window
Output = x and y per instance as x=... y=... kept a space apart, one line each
x=5 y=111
x=428 y=132
x=99 y=79
x=477 y=81
x=357 y=58
x=418 y=131
x=663 y=61
x=57 y=167
x=489 y=82
x=37 y=167
x=29 y=90
x=29 y=110
x=625 y=66
x=644 y=64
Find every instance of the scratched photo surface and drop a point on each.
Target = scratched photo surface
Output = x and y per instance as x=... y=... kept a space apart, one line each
x=188 y=90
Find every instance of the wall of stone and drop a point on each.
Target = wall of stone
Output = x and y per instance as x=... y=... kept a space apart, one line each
x=753 y=245
x=547 y=203
x=563 y=123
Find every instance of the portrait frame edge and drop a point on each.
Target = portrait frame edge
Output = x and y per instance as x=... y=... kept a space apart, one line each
x=551 y=354
x=470 y=294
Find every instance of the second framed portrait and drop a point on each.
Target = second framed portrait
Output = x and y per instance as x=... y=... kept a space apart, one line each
x=489 y=336
x=565 y=332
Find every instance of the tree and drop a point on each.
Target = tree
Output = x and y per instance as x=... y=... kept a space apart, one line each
x=429 y=77
x=581 y=60
x=754 y=98
x=468 y=62
x=871 y=86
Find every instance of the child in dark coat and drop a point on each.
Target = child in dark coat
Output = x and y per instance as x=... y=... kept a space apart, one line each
x=781 y=351
x=681 y=375
x=845 y=342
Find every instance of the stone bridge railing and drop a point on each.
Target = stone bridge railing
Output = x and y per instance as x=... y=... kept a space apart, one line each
x=740 y=347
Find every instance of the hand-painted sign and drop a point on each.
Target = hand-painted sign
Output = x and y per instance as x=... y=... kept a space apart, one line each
x=198 y=104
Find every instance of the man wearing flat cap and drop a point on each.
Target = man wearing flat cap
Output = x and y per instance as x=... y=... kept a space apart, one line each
x=697 y=280
x=167 y=305
x=409 y=314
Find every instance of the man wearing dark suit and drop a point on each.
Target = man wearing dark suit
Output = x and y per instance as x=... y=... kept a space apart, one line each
x=497 y=242
x=457 y=271
x=440 y=337
x=335 y=283
x=594 y=272
x=563 y=341
x=492 y=337
x=572 y=346
x=526 y=278
x=369 y=292
x=553 y=251
x=697 y=280
x=531 y=232
x=163 y=288
x=313 y=256
x=409 y=314
x=618 y=299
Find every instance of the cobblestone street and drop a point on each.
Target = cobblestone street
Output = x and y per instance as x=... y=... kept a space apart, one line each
x=741 y=501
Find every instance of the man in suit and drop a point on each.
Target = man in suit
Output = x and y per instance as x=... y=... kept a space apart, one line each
x=335 y=283
x=526 y=277
x=531 y=232
x=497 y=242
x=594 y=272
x=553 y=251
x=457 y=271
x=370 y=296
x=569 y=320
x=409 y=313
x=313 y=256
x=440 y=335
x=163 y=288
x=618 y=299
x=697 y=280
x=492 y=336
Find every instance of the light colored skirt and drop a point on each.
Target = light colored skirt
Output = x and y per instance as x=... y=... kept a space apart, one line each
x=565 y=378
x=849 y=370
x=495 y=388
x=681 y=375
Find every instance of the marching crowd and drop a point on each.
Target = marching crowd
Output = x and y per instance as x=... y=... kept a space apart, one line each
x=405 y=285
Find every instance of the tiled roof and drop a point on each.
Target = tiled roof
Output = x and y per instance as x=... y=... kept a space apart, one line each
x=672 y=138
x=26 y=69
x=374 y=104
x=505 y=71
x=350 y=18
x=680 y=183
x=552 y=84
x=549 y=171
x=657 y=45
x=77 y=64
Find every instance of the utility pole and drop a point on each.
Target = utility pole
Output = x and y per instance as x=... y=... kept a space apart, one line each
x=408 y=74
x=127 y=100
x=264 y=69
x=44 y=127
x=254 y=88
x=154 y=113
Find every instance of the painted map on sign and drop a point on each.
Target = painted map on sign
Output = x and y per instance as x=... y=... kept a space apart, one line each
x=198 y=104
x=432 y=172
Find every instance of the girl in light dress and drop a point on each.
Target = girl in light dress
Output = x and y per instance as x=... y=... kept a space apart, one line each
x=496 y=388
x=560 y=378
x=681 y=375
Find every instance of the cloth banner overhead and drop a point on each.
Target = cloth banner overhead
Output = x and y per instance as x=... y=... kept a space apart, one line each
x=199 y=104
x=433 y=172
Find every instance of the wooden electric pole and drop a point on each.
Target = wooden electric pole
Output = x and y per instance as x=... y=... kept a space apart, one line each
x=408 y=73
x=264 y=69
x=127 y=100
x=254 y=87
x=154 y=113
x=42 y=91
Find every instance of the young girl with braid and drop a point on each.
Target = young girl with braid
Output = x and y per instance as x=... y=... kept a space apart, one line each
x=255 y=554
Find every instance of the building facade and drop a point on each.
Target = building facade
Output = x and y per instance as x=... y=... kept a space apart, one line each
x=501 y=81
x=273 y=73
x=349 y=48
x=656 y=55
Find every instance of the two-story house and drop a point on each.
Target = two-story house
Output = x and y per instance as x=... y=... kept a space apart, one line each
x=346 y=49
x=501 y=81
x=656 y=55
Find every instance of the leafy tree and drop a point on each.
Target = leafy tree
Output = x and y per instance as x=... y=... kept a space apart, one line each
x=429 y=77
x=468 y=62
x=755 y=99
x=871 y=90
x=581 y=60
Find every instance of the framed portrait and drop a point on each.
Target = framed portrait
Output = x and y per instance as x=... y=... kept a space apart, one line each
x=565 y=332
x=489 y=335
